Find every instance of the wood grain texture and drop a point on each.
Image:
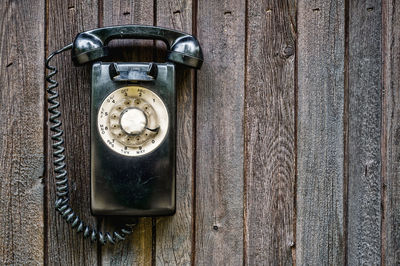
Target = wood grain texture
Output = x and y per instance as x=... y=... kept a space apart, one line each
x=269 y=132
x=391 y=130
x=320 y=136
x=174 y=234
x=64 y=247
x=219 y=147
x=271 y=101
x=364 y=197
x=21 y=132
x=137 y=249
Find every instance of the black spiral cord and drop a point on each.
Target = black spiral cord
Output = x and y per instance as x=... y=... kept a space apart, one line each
x=62 y=192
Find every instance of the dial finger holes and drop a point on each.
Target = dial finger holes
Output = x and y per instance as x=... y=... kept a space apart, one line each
x=148 y=110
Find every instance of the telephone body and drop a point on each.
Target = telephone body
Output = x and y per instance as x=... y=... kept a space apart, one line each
x=133 y=121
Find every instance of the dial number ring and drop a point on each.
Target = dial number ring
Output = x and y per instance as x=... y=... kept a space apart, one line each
x=119 y=102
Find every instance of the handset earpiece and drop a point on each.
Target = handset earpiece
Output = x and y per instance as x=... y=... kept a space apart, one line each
x=186 y=50
x=92 y=45
x=87 y=47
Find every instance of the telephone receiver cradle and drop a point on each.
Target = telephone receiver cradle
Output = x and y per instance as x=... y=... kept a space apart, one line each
x=132 y=127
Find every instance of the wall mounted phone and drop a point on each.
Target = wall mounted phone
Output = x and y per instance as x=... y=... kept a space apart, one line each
x=133 y=127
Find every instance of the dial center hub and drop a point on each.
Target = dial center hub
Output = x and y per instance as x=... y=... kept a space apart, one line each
x=133 y=121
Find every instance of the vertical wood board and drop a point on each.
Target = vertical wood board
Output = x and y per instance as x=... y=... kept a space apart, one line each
x=364 y=192
x=21 y=133
x=320 y=136
x=270 y=132
x=219 y=147
x=391 y=133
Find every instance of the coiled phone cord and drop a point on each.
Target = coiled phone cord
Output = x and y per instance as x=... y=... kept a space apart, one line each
x=62 y=192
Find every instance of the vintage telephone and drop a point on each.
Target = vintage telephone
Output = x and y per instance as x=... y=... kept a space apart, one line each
x=133 y=127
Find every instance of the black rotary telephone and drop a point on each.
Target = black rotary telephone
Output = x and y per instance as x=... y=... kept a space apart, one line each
x=133 y=127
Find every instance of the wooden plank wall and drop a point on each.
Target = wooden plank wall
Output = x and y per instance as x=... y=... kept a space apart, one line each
x=288 y=142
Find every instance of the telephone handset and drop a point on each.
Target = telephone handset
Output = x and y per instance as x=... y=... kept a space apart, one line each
x=92 y=45
x=133 y=127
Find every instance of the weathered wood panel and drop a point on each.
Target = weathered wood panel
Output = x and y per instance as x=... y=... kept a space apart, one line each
x=364 y=195
x=174 y=234
x=270 y=132
x=21 y=132
x=64 y=20
x=271 y=100
x=320 y=136
x=137 y=249
x=219 y=146
x=391 y=133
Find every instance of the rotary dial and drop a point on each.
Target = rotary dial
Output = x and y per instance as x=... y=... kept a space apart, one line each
x=133 y=121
